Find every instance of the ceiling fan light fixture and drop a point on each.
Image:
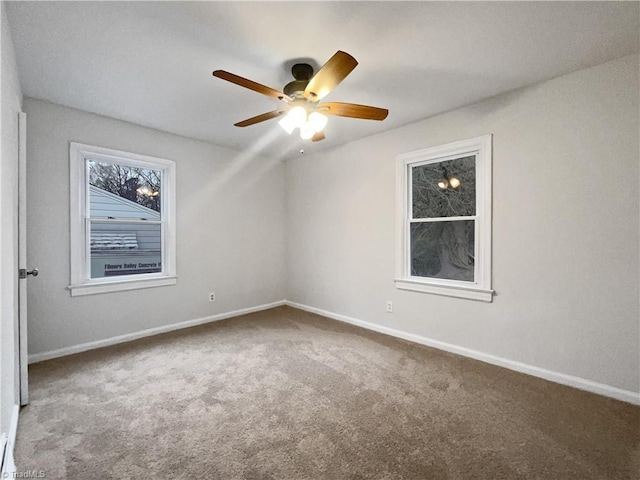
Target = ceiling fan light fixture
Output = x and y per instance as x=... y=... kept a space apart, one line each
x=296 y=117
x=317 y=121
x=443 y=183
x=286 y=125
x=454 y=182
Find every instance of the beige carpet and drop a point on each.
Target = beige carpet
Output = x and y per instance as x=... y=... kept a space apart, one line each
x=284 y=394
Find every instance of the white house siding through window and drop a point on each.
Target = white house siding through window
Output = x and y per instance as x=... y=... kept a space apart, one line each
x=127 y=247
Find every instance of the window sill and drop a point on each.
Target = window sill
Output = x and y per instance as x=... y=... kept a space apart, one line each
x=459 y=291
x=95 y=287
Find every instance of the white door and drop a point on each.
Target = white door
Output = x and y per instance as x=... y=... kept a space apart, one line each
x=24 y=272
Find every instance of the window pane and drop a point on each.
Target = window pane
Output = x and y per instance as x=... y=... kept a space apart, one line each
x=122 y=191
x=125 y=248
x=443 y=250
x=445 y=189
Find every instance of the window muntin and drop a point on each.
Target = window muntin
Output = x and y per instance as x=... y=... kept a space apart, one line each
x=123 y=220
x=444 y=209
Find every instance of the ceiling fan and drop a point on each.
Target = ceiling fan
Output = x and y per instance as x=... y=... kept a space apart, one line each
x=302 y=96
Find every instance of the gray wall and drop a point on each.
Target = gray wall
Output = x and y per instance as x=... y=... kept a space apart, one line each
x=565 y=228
x=10 y=105
x=230 y=229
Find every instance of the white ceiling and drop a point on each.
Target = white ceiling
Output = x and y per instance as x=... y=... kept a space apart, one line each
x=150 y=63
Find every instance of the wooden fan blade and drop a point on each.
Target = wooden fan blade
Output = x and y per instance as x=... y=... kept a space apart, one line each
x=353 y=110
x=318 y=136
x=329 y=76
x=251 y=85
x=260 y=118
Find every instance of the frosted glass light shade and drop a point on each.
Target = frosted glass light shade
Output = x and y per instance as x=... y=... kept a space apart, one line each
x=306 y=131
x=296 y=117
x=454 y=182
x=317 y=121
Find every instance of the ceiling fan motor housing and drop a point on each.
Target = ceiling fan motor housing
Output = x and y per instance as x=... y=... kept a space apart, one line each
x=302 y=72
x=296 y=88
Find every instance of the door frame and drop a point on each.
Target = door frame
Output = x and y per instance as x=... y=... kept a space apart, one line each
x=23 y=355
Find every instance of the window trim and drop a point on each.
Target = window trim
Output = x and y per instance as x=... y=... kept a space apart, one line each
x=480 y=288
x=81 y=283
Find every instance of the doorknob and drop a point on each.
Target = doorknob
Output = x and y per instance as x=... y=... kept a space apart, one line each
x=23 y=272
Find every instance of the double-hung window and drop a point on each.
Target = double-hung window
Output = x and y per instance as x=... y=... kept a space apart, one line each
x=122 y=220
x=444 y=212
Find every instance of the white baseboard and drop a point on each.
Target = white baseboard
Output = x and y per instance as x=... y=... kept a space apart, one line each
x=564 y=379
x=8 y=467
x=83 y=347
x=561 y=378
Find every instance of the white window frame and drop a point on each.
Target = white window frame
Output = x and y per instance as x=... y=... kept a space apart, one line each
x=480 y=288
x=80 y=254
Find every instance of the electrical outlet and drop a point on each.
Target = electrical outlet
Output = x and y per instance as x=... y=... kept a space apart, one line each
x=389 y=306
x=212 y=297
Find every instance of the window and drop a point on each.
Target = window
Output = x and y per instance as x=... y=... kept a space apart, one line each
x=444 y=211
x=122 y=220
